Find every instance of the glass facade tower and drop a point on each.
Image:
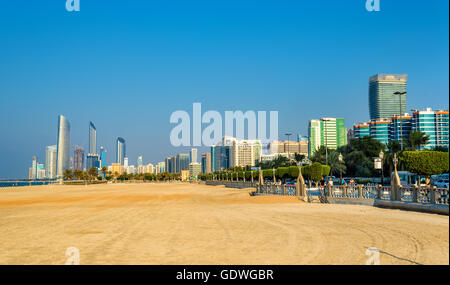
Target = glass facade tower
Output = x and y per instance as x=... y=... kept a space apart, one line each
x=92 y=139
x=63 y=146
x=383 y=103
x=50 y=162
x=120 y=150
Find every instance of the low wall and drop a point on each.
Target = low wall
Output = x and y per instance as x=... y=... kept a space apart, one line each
x=350 y=201
x=412 y=206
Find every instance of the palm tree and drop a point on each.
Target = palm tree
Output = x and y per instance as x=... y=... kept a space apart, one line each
x=92 y=173
x=67 y=175
x=78 y=174
x=104 y=170
x=336 y=167
x=415 y=140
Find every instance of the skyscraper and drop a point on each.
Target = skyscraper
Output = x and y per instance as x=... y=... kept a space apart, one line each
x=34 y=168
x=379 y=130
x=328 y=132
x=314 y=136
x=206 y=162
x=103 y=162
x=383 y=103
x=92 y=138
x=50 y=162
x=245 y=153
x=92 y=160
x=140 y=161
x=434 y=124
x=62 y=146
x=213 y=158
x=78 y=157
x=193 y=155
x=361 y=130
x=182 y=162
x=120 y=150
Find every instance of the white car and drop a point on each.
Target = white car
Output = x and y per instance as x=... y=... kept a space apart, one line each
x=441 y=183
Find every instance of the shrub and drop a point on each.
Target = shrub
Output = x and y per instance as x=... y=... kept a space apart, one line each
x=426 y=163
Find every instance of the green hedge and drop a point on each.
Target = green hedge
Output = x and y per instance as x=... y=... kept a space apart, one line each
x=426 y=163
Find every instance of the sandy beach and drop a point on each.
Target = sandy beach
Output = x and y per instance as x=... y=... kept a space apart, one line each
x=176 y=223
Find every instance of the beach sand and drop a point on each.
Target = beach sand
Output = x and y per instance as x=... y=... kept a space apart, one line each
x=180 y=223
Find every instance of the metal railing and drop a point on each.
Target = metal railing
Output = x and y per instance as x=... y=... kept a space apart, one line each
x=425 y=195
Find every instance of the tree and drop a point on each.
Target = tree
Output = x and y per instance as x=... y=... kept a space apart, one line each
x=441 y=148
x=92 y=173
x=320 y=155
x=299 y=157
x=104 y=170
x=426 y=163
x=67 y=175
x=336 y=166
x=415 y=140
x=316 y=172
x=78 y=174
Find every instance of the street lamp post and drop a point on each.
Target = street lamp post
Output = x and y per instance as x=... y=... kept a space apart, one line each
x=274 y=179
x=289 y=156
x=340 y=157
x=400 y=116
x=382 y=170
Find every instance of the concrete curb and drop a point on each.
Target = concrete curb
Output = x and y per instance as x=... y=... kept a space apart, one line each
x=412 y=206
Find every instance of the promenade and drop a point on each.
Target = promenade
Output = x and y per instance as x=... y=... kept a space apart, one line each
x=182 y=223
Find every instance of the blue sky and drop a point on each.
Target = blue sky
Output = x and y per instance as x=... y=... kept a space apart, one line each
x=127 y=65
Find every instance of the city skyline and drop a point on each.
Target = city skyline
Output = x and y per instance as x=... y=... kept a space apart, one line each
x=283 y=63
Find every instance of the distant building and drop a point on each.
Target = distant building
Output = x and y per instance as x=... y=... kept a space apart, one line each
x=184 y=175
x=181 y=162
x=379 y=130
x=168 y=165
x=193 y=155
x=245 y=153
x=291 y=147
x=350 y=135
x=400 y=127
x=361 y=130
x=149 y=168
x=301 y=138
x=140 y=161
x=327 y=132
x=40 y=171
x=434 y=124
x=34 y=168
x=383 y=103
x=195 y=169
x=116 y=168
x=220 y=154
x=78 y=158
x=213 y=158
x=160 y=167
x=103 y=162
x=206 y=163
x=92 y=160
x=50 y=162
x=92 y=138
x=120 y=150
x=63 y=146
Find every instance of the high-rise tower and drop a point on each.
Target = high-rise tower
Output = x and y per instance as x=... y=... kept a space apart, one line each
x=63 y=146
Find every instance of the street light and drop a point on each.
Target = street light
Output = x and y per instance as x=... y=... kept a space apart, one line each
x=274 y=179
x=400 y=114
x=382 y=173
x=340 y=157
x=289 y=157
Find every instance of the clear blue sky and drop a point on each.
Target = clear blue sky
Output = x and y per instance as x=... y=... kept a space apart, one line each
x=127 y=65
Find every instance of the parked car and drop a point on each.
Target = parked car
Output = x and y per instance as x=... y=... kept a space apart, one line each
x=441 y=183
